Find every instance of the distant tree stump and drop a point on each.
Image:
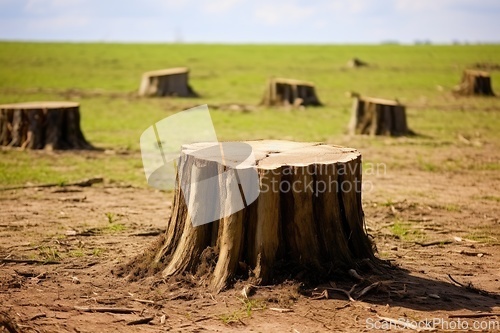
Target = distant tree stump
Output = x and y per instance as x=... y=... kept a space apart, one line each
x=475 y=82
x=286 y=92
x=356 y=63
x=376 y=116
x=167 y=82
x=308 y=215
x=38 y=125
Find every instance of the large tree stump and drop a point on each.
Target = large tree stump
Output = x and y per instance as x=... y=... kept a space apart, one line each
x=167 y=82
x=38 y=125
x=308 y=215
x=376 y=116
x=475 y=82
x=286 y=92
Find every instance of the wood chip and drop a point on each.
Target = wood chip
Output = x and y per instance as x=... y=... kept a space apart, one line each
x=281 y=310
x=144 y=301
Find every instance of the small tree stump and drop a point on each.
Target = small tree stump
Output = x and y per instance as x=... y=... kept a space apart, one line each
x=285 y=92
x=376 y=116
x=38 y=125
x=166 y=82
x=356 y=63
x=308 y=215
x=475 y=82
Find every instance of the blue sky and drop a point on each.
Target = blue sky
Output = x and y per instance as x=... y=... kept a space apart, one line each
x=251 y=21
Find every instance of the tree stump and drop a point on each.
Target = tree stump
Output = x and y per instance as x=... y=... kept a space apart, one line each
x=166 y=82
x=38 y=125
x=376 y=116
x=308 y=215
x=356 y=63
x=286 y=92
x=475 y=82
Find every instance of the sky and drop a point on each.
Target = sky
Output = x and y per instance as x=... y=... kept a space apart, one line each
x=251 y=21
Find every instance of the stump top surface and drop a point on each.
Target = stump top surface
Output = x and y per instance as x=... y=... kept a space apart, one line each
x=379 y=100
x=477 y=72
x=293 y=82
x=40 y=105
x=272 y=154
x=167 y=71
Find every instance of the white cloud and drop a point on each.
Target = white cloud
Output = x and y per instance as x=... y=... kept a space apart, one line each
x=421 y=5
x=442 y=5
x=220 y=6
x=169 y=4
x=46 y=6
x=281 y=14
x=352 y=6
x=60 y=22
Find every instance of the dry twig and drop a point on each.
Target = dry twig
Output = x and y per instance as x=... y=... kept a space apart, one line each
x=104 y=309
x=471 y=288
x=366 y=290
x=29 y=261
x=475 y=315
x=141 y=321
x=82 y=183
x=434 y=243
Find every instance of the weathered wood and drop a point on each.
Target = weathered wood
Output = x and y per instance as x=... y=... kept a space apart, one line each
x=39 y=125
x=166 y=82
x=308 y=214
x=290 y=92
x=475 y=82
x=376 y=116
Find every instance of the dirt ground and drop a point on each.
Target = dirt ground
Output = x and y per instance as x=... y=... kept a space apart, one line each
x=432 y=223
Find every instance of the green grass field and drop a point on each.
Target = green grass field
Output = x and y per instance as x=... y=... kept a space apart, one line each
x=104 y=79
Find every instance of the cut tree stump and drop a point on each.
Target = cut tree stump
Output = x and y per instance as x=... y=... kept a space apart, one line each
x=166 y=82
x=307 y=219
x=39 y=125
x=376 y=116
x=475 y=82
x=286 y=92
x=356 y=63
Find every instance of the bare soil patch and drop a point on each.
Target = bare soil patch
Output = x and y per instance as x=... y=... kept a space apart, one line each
x=430 y=221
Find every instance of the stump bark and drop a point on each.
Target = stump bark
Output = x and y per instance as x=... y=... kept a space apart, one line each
x=290 y=92
x=475 y=82
x=376 y=116
x=166 y=82
x=308 y=216
x=39 y=125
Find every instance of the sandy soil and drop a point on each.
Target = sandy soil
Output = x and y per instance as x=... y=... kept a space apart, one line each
x=429 y=224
